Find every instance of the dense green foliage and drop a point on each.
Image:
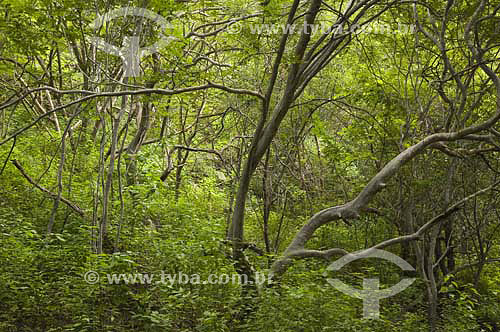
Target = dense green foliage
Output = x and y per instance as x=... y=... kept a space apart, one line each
x=147 y=181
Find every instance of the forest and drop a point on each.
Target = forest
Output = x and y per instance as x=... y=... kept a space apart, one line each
x=238 y=166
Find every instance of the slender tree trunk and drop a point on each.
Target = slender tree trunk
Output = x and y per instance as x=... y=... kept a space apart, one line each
x=267 y=193
x=103 y=225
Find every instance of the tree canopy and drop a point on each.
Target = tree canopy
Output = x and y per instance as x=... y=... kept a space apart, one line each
x=260 y=141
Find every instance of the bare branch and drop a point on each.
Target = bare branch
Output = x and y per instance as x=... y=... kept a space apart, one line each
x=73 y=206
x=91 y=95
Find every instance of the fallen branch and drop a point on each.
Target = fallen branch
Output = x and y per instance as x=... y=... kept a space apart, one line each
x=73 y=206
x=468 y=266
x=471 y=265
x=280 y=266
x=434 y=221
